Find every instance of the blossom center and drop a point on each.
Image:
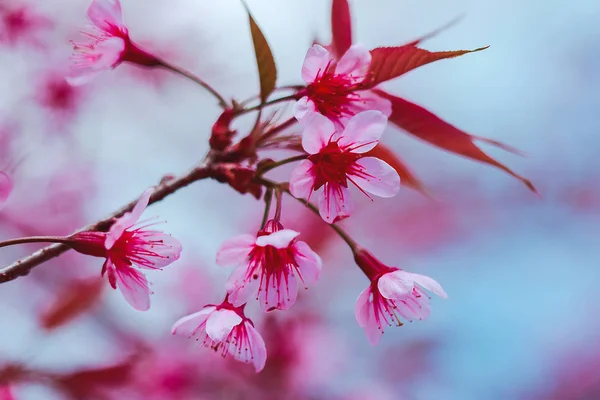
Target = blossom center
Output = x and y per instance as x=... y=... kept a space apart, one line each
x=333 y=165
x=333 y=93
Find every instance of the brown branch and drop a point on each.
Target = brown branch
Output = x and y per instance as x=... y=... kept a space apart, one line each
x=164 y=189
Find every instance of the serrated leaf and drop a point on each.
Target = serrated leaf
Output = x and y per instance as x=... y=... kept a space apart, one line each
x=341 y=27
x=267 y=69
x=427 y=126
x=391 y=62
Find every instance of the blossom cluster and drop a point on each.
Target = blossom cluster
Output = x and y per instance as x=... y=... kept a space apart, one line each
x=342 y=114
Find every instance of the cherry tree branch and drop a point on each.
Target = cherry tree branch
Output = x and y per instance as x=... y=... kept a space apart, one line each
x=165 y=188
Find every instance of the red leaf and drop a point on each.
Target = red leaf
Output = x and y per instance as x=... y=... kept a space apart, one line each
x=391 y=62
x=267 y=70
x=85 y=383
x=427 y=126
x=341 y=27
x=72 y=301
x=407 y=178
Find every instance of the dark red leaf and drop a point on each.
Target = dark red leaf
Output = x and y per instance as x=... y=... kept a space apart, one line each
x=341 y=27
x=221 y=134
x=85 y=383
x=267 y=70
x=391 y=62
x=72 y=301
x=427 y=126
x=407 y=178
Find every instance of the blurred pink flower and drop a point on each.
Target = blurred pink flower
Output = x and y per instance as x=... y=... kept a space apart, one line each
x=20 y=23
x=333 y=86
x=127 y=245
x=392 y=294
x=267 y=264
x=6 y=393
x=226 y=328
x=336 y=157
x=108 y=44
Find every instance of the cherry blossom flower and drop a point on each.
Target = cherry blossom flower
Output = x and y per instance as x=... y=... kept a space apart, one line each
x=20 y=23
x=393 y=294
x=127 y=245
x=336 y=157
x=107 y=44
x=268 y=264
x=225 y=327
x=333 y=87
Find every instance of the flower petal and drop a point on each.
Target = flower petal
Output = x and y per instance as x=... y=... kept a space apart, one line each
x=105 y=55
x=354 y=62
x=318 y=130
x=304 y=108
x=156 y=249
x=127 y=220
x=302 y=180
x=106 y=14
x=278 y=292
x=363 y=131
x=6 y=186
x=134 y=287
x=429 y=284
x=280 y=239
x=396 y=285
x=309 y=262
x=335 y=203
x=190 y=324
x=363 y=307
x=376 y=177
x=316 y=60
x=241 y=286
x=220 y=323
x=257 y=347
x=234 y=251
x=368 y=100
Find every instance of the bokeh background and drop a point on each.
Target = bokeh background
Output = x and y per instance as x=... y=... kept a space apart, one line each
x=521 y=271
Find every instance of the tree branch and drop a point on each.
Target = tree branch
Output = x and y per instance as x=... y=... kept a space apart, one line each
x=164 y=189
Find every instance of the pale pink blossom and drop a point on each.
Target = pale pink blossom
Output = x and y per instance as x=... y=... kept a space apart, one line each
x=393 y=294
x=268 y=265
x=107 y=44
x=333 y=87
x=128 y=245
x=225 y=327
x=336 y=158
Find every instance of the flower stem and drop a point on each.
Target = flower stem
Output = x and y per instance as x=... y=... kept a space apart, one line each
x=274 y=165
x=196 y=79
x=35 y=239
x=268 y=103
x=268 y=198
x=276 y=130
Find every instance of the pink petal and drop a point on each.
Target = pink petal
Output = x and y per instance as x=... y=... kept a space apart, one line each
x=373 y=330
x=220 y=323
x=335 y=203
x=127 y=220
x=412 y=307
x=6 y=186
x=241 y=287
x=161 y=250
x=368 y=100
x=429 y=284
x=188 y=325
x=280 y=239
x=234 y=251
x=318 y=130
x=302 y=180
x=363 y=131
x=377 y=177
x=106 y=14
x=304 y=108
x=308 y=261
x=316 y=60
x=279 y=293
x=105 y=55
x=355 y=61
x=257 y=347
x=363 y=307
x=395 y=285
x=134 y=287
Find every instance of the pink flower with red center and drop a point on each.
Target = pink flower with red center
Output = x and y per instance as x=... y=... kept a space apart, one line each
x=225 y=328
x=393 y=294
x=19 y=23
x=268 y=265
x=336 y=158
x=128 y=245
x=333 y=87
x=108 y=44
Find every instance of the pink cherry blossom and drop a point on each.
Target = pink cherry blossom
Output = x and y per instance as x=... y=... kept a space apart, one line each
x=107 y=44
x=225 y=327
x=393 y=294
x=336 y=158
x=333 y=87
x=127 y=245
x=268 y=265
x=21 y=23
